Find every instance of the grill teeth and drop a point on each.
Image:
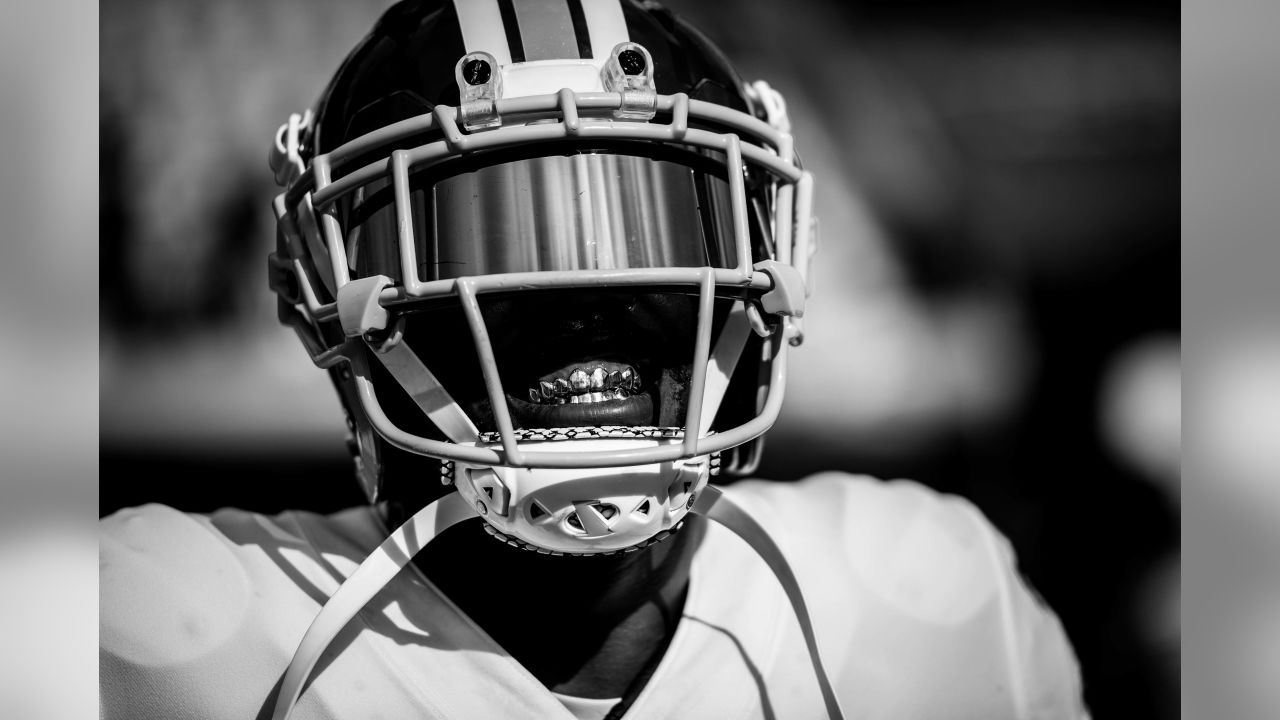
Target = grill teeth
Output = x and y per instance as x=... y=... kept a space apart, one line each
x=582 y=386
x=612 y=394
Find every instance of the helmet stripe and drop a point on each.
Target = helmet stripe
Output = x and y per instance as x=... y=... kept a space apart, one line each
x=516 y=31
x=606 y=26
x=483 y=28
x=546 y=29
x=580 y=32
x=511 y=26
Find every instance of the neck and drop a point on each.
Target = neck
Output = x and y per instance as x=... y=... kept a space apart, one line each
x=583 y=626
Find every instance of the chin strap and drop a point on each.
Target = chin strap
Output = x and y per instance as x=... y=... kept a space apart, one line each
x=368 y=580
x=713 y=504
x=399 y=548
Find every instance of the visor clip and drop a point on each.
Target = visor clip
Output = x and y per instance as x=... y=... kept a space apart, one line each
x=479 y=87
x=629 y=72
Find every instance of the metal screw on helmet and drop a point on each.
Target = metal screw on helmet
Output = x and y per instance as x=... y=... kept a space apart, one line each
x=632 y=62
x=477 y=72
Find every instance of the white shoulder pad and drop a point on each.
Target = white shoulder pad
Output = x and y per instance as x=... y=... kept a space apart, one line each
x=170 y=589
x=906 y=577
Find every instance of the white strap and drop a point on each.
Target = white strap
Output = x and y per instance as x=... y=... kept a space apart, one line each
x=715 y=505
x=724 y=358
x=413 y=375
x=368 y=580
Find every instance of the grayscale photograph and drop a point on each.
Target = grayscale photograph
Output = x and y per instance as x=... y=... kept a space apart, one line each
x=625 y=360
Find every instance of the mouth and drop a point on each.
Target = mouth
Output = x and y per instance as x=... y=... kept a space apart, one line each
x=586 y=393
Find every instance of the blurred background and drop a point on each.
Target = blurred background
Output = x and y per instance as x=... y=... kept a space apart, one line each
x=997 y=311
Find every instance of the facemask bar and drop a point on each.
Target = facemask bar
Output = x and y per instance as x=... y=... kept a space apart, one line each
x=779 y=284
x=693 y=444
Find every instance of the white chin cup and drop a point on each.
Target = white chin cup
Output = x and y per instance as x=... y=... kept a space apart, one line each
x=584 y=510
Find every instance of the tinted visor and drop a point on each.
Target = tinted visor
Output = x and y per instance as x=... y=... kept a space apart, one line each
x=583 y=211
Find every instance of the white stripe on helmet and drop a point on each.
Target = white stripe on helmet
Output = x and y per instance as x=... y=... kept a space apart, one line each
x=482 y=28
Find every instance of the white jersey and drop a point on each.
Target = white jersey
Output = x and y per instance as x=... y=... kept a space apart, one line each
x=917 y=606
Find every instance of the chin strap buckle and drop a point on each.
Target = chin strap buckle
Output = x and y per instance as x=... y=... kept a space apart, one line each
x=285 y=158
x=775 y=107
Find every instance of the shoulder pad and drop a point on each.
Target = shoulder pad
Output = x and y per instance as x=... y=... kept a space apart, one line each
x=170 y=589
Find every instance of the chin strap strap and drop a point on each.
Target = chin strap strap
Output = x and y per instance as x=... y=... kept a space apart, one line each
x=713 y=504
x=399 y=548
x=368 y=580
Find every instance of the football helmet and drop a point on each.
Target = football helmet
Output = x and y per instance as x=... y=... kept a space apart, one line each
x=559 y=249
